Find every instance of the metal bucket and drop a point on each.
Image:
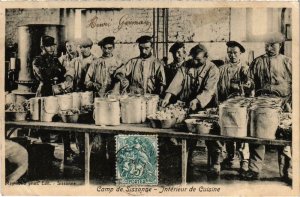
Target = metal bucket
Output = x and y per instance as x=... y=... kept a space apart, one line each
x=233 y=120
x=65 y=101
x=131 y=110
x=50 y=104
x=86 y=98
x=49 y=107
x=107 y=111
x=264 y=121
x=35 y=108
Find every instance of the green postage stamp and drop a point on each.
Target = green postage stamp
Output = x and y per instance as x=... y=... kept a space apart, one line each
x=137 y=160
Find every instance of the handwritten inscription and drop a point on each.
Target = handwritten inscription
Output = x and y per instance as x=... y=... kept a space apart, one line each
x=94 y=23
x=123 y=23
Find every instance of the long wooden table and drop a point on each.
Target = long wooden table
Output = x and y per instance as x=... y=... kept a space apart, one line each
x=142 y=129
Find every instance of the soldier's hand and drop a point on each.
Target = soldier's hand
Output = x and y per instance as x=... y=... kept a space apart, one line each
x=247 y=85
x=234 y=86
x=164 y=102
x=194 y=104
x=97 y=86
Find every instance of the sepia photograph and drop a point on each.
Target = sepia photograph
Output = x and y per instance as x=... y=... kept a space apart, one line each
x=150 y=100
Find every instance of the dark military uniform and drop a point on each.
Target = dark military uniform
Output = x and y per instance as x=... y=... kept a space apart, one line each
x=48 y=71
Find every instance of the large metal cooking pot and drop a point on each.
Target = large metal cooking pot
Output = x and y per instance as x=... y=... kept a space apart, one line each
x=107 y=111
x=65 y=101
x=76 y=97
x=233 y=120
x=131 y=109
x=86 y=98
x=264 y=121
x=49 y=108
x=35 y=108
x=50 y=104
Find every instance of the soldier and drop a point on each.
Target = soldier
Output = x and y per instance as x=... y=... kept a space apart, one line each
x=71 y=53
x=232 y=77
x=196 y=84
x=76 y=74
x=179 y=55
x=51 y=74
x=46 y=67
x=271 y=72
x=81 y=64
x=100 y=79
x=145 y=73
x=99 y=76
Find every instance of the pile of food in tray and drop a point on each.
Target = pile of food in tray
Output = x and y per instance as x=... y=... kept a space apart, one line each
x=17 y=112
x=169 y=116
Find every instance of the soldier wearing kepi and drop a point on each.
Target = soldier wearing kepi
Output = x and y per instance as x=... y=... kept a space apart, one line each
x=46 y=67
x=99 y=77
x=196 y=84
x=145 y=73
x=179 y=54
x=271 y=72
x=232 y=78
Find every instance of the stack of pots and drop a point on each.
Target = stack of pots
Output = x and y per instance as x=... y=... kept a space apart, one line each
x=262 y=114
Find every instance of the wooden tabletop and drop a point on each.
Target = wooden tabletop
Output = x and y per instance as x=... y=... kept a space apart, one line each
x=143 y=129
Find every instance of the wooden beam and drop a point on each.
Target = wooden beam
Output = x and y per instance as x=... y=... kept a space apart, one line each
x=142 y=129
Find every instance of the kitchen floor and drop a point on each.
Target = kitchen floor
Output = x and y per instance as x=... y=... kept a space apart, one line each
x=103 y=170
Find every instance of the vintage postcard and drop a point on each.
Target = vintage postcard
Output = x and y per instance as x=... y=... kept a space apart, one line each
x=150 y=98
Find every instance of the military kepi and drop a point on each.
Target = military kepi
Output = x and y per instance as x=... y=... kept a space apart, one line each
x=176 y=46
x=144 y=39
x=236 y=44
x=47 y=41
x=107 y=40
x=197 y=49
